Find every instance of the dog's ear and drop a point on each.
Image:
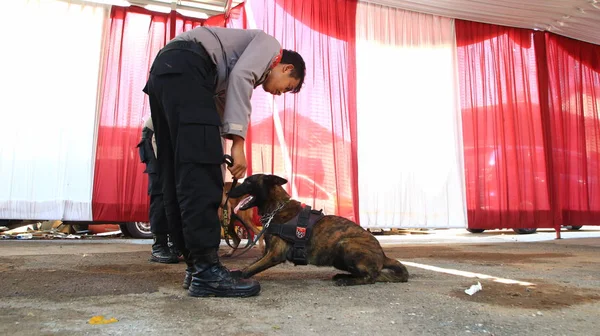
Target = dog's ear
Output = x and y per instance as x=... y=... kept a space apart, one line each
x=275 y=180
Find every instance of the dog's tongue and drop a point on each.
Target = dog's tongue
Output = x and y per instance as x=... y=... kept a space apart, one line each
x=243 y=202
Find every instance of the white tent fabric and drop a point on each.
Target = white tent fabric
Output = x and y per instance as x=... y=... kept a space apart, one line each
x=577 y=19
x=50 y=84
x=409 y=132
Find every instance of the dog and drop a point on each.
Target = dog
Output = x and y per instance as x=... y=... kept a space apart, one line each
x=246 y=215
x=335 y=241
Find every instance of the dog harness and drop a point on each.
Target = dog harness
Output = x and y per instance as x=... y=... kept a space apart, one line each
x=297 y=231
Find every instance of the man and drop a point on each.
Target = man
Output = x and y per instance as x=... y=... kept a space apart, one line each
x=161 y=252
x=197 y=71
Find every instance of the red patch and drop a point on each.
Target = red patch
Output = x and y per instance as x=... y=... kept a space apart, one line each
x=300 y=232
x=276 y=59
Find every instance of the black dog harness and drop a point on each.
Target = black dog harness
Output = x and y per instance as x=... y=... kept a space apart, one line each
x=297 y=231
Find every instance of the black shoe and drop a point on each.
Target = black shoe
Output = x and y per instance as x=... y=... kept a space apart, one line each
x=187 y=280
x=161 y=252
x=175 y=251
x=211 y=278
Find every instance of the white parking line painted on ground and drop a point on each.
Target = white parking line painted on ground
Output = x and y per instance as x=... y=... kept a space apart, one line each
x=466 y=274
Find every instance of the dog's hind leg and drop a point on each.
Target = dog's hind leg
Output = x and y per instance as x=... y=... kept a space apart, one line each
x=354 y=279
x=362 y=272
x=357 y=257
x=275 y=255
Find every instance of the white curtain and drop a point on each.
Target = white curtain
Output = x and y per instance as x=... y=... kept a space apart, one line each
x=409 y=130
x=51 y=64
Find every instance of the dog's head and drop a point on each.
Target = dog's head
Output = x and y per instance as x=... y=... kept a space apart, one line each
x=262 y=189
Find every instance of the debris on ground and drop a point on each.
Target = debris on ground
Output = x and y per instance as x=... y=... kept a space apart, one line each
x=396 y=232
x=50 y=230
x=101 y=320
x=474 y=289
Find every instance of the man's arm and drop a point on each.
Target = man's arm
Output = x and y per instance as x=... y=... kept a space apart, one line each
x=250 y=67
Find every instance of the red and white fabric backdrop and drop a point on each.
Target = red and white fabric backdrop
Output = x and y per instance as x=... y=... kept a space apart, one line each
x=49 y=97
x=409 y=133
x=405 y=119
x=136 y=35
x=305 y=138
x=308 y=138
x=574 y=122
x=505 y=165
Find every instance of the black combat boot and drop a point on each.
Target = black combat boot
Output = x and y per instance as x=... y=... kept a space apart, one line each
x=161 y=252
x=187 y=280
x=211 y=278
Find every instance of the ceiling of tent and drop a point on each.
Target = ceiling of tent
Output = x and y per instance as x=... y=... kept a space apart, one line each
x=204 y=8
x=577 y=19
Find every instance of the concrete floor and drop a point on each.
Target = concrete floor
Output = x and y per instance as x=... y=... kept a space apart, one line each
x=532 y=285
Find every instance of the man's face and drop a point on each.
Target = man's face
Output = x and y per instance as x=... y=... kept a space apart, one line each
x=280 y=80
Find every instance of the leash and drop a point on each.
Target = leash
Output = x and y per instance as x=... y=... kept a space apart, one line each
x=228 y=160
x=265 y=226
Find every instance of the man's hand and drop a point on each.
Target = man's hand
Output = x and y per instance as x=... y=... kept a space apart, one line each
x=238 y=170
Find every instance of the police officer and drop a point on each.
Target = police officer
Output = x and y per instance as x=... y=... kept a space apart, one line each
x=199 y=87
x=161 y=251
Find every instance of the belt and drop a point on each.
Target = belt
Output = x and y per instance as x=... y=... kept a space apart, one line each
x=192 y=46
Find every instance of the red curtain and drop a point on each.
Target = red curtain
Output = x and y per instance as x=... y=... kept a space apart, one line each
x=310 y=137
x=136 y=36
x=504 y=149
x=574 y=107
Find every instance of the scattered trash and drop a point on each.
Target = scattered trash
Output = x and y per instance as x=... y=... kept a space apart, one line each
x=110 y=233
x=101 y=320
x=474 y=289
x=51 y=230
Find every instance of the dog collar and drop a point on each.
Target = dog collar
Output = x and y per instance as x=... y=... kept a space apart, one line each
x=266 y=220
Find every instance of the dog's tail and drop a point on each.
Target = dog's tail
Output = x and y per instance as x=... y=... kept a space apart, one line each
x=393 y=271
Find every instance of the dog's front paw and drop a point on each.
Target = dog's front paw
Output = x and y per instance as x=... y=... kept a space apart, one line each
x=342 y=282
x=342 y=279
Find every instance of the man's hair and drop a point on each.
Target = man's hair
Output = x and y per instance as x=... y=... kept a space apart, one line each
x=293 y=58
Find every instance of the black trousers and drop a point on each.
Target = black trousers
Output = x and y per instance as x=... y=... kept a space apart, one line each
x=181 y=88
x=158 y=218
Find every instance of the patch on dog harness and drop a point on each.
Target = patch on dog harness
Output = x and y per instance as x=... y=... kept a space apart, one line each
x=298 y=231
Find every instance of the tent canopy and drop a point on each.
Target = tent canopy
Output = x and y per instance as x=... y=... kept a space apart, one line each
x=577 y=19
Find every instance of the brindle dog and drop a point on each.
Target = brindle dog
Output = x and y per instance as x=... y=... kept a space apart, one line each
x=335 y=241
